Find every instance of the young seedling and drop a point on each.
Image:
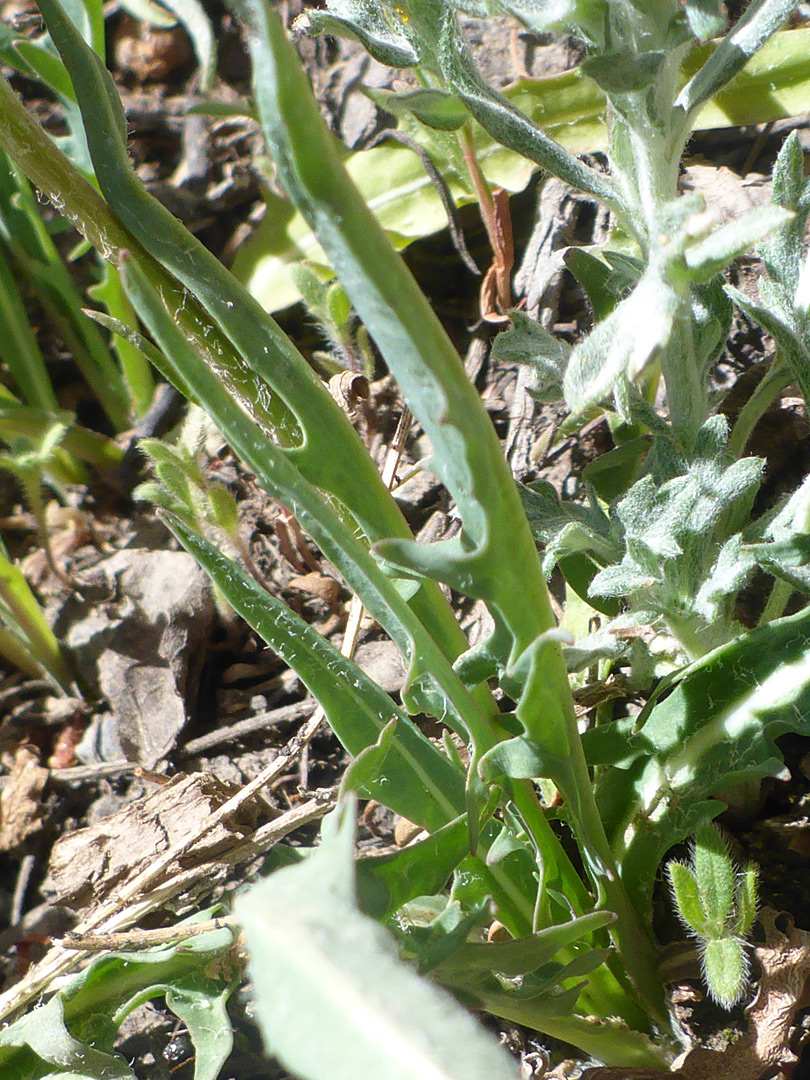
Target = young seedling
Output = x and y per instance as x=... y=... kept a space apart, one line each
x=717 y=903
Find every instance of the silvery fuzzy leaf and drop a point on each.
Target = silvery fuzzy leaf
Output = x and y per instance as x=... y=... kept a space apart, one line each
x=788 y=553
x=575 y=538
x=624 y=71
x=527 y=342
x=544 y=509
x=587 y=16
x=720 y=489
x=622 y=344
x=710 y=255
x=794 y=517
x=548 y=514
x=623 y=579
x=783 y=255
x=364 y=21
x=601 y=645
x=706 y=18
x=502 y=120
x=781 y=325
x=653 y=514
x=801 y=300
x=633 y=408
x=786 y=559
x=643 y=556
x=790 y=188
x=726 y=577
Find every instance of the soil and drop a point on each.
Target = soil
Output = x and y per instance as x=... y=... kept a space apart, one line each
x=177 y=686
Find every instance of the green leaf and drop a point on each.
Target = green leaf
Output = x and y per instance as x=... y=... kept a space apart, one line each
x=386 y=882
x=715 y=876
x=606 y=279
x=746 y=900
x=242 y=343
x=332 y=999
x=76 y=1030
x=624 y=71
x=367 y=765
x=706 y=18
x=206 y=1018
x=726 y=577
x=527 y=342
x=686 y=896
x=725 y=967
x=519 y=758
x=715 y=730
x=621 y=345
x=436 y=108
x=711 y=255
x=521 y=955
x=419 y=781
x=40 y=1044
x=223 y=508
x=779 y=321
x=467 y=455
x=366 y=23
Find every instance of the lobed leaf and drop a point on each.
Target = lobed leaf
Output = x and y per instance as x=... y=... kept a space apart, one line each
x=466 y=453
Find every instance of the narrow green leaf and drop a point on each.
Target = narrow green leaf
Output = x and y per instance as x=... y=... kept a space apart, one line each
x=30 y=624
x=431 y=681
x=686 y=896
x=18 y=346
x=715 y=876
x=264 y=370
x=418 y=779
x=746 y=900
x=759 y=22
x=521 y=955
x=466 y=453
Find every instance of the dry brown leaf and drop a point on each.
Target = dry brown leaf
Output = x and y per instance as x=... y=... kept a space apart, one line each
x=320 y=586
x=21 y=799
x=89 y=865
